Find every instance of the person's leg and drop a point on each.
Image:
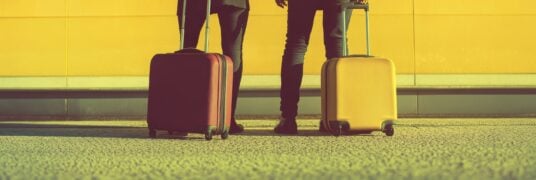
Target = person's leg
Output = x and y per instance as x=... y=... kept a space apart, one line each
x=233 y=22
x=333 y=27
x=195 y=17
x=299 y=24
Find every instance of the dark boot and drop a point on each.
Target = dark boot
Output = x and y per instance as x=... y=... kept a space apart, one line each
x=237 y=77
x=286 y=126
x=323 y=128
x=235 y=128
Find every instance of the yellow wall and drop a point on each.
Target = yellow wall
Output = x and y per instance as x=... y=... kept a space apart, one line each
x=480 y=36
x=118 y=37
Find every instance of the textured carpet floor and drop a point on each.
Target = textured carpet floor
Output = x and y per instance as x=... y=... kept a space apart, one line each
x=420 y=149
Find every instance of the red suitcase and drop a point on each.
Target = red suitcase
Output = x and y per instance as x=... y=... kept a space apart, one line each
x=190 y=91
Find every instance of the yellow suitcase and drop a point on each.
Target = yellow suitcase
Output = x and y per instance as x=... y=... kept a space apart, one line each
x=358 y=92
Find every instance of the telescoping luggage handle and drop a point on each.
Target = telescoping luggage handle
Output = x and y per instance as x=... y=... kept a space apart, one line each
x=355 y=5
x=207 y=26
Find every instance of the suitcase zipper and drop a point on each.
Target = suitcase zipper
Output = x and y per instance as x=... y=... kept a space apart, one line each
x=223 y=94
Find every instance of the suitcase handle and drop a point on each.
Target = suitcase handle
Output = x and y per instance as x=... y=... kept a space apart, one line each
x=354 y=5
x=189 y=50
x=207 y=27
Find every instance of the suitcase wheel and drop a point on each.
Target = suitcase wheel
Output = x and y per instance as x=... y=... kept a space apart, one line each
x=225 y=134
x=208 y=134
x=152 y=133
x=338 y=130
x=181 y=133
x=389 y=130
x=337 y=127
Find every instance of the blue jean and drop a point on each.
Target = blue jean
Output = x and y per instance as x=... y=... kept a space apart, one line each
x=300 y=20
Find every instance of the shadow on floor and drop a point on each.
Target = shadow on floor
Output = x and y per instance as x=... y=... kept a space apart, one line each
x=25 y=129
x=63 y=130
x=301 y=132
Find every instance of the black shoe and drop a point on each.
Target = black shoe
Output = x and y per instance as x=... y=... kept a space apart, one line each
x=323 y=128
x=236 y=128
x=286 y=126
